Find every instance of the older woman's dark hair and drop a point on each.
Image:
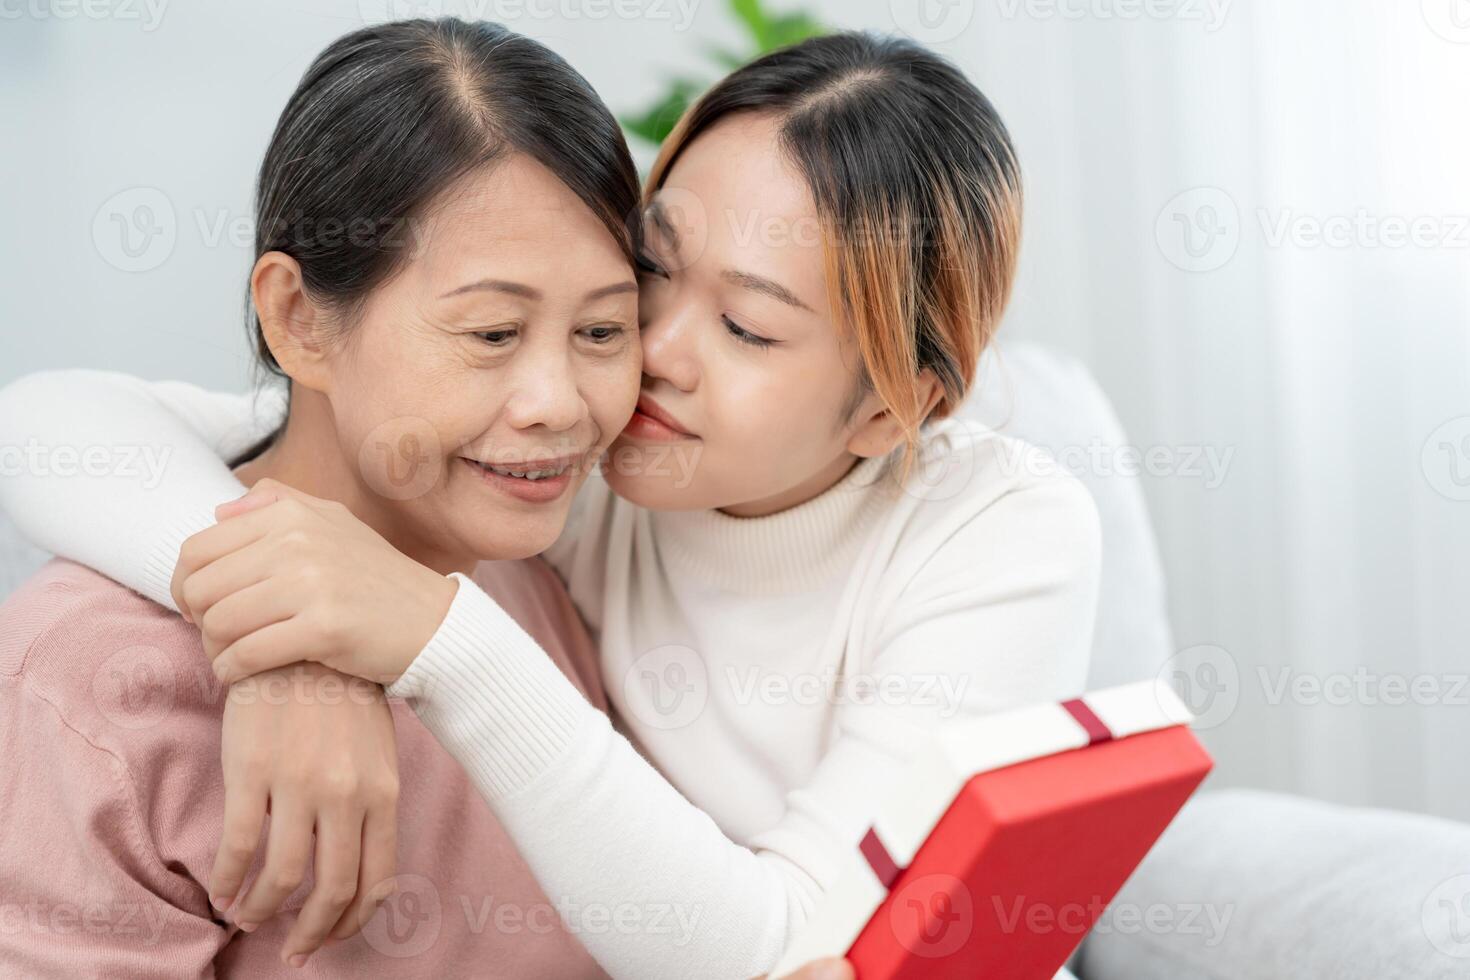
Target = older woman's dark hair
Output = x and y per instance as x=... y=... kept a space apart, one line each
x=389 y=117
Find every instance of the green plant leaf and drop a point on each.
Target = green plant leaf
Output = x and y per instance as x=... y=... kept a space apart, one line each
x=656 y=122
x=754 y=17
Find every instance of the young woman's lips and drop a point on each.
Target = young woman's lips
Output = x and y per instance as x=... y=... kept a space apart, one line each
x=651 y=423
x=539 y=491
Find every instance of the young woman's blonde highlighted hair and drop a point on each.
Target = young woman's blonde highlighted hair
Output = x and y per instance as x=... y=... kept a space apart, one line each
x=918 y=193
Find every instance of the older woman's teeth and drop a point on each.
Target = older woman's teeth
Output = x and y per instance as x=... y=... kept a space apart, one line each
x=525 y=474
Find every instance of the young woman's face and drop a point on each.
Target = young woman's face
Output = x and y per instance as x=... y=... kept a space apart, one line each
x=748 y=384
x=509 y=339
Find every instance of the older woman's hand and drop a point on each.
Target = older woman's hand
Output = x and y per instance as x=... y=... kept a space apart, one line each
x=287 y=577
x=317 y=750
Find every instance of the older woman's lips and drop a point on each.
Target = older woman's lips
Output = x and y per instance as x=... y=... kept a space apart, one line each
x=539 y=491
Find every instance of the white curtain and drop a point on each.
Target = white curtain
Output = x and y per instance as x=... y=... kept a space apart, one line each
x=1252 y=220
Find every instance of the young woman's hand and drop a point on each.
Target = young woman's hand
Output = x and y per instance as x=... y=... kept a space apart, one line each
x=287 y=577
x=316 y=750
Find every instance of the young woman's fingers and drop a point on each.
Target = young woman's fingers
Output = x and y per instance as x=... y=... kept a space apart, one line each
x=262 y=494
x=238 y=614
x=338 y=845
x=228 y=574
x=375 y=878
x=244 y=815
x=213 y=543
x=276 y=645
x=285 y=863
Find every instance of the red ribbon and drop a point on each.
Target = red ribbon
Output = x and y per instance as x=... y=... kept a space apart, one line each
x=1090 y=722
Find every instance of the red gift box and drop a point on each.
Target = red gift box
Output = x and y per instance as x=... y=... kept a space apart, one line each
x=1008 y=838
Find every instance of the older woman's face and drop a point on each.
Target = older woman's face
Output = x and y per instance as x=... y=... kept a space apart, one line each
x=483 y=381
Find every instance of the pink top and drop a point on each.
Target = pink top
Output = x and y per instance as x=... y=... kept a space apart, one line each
x=111 y=804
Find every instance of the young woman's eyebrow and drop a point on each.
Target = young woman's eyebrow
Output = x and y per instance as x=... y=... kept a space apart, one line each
x=767 y=287
x=531 y=292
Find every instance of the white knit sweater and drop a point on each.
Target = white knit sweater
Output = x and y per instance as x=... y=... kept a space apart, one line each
x=768 y=675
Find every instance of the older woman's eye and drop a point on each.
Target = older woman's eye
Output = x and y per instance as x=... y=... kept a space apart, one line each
x=496 y=338
x=603 y=333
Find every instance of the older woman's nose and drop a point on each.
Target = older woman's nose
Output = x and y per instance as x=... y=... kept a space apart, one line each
x=546 y=393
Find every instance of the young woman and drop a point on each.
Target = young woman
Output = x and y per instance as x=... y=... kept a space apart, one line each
x=793 y=564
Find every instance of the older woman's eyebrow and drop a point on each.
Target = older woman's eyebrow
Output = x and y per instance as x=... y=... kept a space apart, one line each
x=768 y=287
x=531 y=292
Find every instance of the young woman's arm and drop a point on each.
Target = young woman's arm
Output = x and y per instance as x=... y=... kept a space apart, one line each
x=115 y=472
x=600 y=826
x=1003 y=608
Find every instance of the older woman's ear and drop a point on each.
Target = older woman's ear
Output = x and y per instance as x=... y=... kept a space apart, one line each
x=295 y=327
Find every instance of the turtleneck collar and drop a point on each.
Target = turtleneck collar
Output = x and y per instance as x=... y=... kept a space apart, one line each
x=794 y=550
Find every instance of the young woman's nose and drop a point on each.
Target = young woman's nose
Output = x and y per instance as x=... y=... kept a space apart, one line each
x=671 y=349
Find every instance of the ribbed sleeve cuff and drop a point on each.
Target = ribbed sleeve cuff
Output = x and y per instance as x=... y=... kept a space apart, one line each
x=163 y=555
x=495 y=699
